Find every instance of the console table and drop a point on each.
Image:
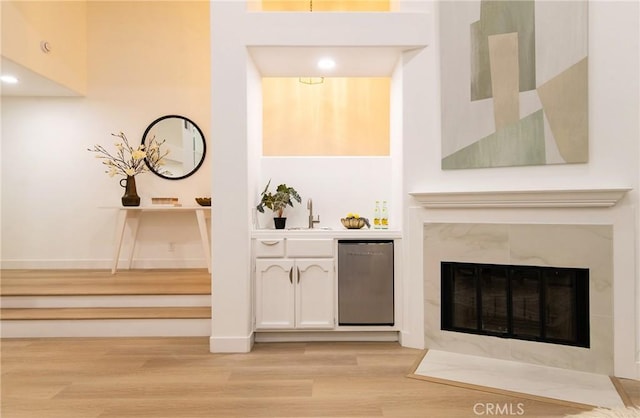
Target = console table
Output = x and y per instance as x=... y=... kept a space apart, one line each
x=130 y=215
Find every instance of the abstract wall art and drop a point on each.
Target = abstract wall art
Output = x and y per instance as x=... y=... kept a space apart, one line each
x=514 y=85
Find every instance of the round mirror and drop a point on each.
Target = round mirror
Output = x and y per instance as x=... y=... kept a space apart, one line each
x=180 y=142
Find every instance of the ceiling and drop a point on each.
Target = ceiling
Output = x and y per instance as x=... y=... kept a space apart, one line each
x=30 y=83
x=294 y=61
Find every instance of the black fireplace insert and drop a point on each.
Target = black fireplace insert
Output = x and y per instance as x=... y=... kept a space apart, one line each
x=546 y=304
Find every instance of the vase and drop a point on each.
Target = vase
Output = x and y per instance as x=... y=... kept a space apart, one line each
x=279 y=222
x=130 y=197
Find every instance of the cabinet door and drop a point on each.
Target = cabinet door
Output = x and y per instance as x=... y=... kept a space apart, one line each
x=274 y=303
x=315 y=293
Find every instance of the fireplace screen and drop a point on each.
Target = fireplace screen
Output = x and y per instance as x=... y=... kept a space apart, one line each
x=548 y=304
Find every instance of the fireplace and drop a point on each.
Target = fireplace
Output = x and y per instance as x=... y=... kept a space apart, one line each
x=525 y=250
x=577 y=228
x=535 y=303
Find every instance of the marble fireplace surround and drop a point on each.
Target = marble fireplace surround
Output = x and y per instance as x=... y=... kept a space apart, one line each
x=558 y=228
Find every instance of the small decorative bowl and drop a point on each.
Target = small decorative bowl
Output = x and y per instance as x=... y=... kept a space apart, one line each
x=352 y=223
x=203 y=201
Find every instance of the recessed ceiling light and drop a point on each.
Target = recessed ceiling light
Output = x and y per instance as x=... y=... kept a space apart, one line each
x=326 y=64
x=9 y=79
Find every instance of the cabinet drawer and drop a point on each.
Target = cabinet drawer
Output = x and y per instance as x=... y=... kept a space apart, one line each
x=309 y=248
x=269 y=248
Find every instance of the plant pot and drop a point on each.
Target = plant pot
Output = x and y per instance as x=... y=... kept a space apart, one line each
x=130 y=197
x=280 y=222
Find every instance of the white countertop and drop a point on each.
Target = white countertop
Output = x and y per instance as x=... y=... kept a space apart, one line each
x=341 y=233
x=160 y=208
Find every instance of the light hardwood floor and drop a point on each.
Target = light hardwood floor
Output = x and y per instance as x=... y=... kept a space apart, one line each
x=179 y=377
x=102 y=282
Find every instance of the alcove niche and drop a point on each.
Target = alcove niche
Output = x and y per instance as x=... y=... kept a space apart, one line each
x=315 y=128
x=344 y=111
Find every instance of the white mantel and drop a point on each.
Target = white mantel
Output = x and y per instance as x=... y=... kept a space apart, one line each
x=550 y=198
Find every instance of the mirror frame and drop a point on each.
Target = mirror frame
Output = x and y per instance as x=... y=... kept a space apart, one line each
x=204 y=146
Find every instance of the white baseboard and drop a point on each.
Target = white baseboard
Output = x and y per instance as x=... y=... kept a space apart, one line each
x=231 y=344
x=301 y=336
x=106 y=328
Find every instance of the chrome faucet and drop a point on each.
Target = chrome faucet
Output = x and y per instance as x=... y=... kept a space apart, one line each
x=311 y=220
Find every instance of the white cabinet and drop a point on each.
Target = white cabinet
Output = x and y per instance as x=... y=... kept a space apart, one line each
x=294 y=293
x=275 y=294
x=314 y=293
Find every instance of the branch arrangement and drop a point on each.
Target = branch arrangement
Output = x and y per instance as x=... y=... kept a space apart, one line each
x=129 y=161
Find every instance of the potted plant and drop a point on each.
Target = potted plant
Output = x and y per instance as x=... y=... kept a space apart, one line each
x=278 y=201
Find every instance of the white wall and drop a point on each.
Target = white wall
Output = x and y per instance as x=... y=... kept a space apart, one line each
x=337 y=186
x=53 y=188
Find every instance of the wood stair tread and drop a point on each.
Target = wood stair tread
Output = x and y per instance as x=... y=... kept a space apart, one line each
x=180 y=312
x=102 y=282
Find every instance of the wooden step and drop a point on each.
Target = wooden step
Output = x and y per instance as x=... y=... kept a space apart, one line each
x=9 y=314
x=102 y=282
x=96 y=303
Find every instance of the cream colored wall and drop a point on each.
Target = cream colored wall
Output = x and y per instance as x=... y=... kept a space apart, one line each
x=63 y=24
x=339 y=117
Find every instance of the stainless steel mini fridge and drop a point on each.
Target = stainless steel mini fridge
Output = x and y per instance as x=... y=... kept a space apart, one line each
x=365 y=282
